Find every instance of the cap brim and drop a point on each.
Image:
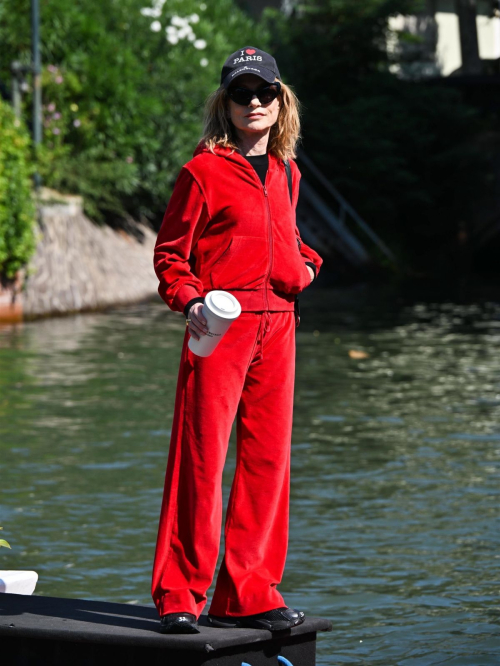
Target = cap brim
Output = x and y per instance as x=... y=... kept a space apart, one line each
x=262 y=72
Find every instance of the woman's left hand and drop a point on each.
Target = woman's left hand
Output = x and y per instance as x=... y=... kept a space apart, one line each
x=311 y=273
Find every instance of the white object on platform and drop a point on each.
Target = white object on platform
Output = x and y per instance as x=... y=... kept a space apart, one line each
x=18 y=582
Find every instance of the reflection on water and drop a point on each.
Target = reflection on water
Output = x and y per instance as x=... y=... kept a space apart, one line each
x=396 y=457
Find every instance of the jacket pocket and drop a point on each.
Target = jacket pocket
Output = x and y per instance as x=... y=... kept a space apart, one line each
x=289 y=273
x=242 y=265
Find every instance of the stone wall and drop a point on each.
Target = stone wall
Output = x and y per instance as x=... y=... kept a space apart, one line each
x=79 y=265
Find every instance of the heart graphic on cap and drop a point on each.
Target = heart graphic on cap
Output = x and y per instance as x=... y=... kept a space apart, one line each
x=250 y=51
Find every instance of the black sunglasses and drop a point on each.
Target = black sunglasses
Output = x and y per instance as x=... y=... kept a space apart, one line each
x=265 y=94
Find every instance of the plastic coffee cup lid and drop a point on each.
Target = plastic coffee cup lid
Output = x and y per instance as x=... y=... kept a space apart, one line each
x=223 y=304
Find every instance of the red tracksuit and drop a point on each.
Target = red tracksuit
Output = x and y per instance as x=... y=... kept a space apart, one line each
x=224 y=230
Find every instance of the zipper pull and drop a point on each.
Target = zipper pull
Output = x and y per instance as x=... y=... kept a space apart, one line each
x=265 y=191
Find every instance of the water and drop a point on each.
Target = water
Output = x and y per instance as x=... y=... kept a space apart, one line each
x=395 y=481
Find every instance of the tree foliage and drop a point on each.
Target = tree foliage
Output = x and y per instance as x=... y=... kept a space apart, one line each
x=402 y=152
x=123 y=88
x=124 y=85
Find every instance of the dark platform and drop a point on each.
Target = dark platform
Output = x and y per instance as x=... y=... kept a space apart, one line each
x=73 y=632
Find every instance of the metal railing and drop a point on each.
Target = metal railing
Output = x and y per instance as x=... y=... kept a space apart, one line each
x=338 y=223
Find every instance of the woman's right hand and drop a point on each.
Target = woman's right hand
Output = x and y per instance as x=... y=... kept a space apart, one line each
x=197 y=326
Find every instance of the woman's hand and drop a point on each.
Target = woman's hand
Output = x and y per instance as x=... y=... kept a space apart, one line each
x=311 y=273
x=197 y=326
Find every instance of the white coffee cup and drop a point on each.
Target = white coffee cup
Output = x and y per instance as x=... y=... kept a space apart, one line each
x=220 y=309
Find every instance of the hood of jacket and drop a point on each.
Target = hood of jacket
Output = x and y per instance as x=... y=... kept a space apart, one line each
x=230 y=154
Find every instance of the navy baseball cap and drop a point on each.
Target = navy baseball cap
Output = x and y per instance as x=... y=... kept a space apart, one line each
x=249 y=60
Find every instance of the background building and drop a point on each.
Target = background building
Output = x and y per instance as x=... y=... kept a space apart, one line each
x=451 y=37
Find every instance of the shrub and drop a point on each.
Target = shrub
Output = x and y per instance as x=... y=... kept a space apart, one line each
x=17 y=208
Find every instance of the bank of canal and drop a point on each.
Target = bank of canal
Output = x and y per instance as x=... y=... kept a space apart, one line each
x=395 y=480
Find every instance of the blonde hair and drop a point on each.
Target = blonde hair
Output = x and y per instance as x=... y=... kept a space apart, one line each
x=218 y=130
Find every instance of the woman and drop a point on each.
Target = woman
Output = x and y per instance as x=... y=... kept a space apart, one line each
x=230 y=225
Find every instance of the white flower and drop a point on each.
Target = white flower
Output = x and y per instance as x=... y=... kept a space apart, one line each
x=177 y=20
x=203 y=6
x=203 y=62
x=200 y=44
x=194 y=18
x=148 y=11
x=156 y=26
x=170 y=30
x=185 y=31
x=173 y=39
x=191 y=37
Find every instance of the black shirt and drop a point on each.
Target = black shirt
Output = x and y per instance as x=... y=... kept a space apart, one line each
x=260 y=163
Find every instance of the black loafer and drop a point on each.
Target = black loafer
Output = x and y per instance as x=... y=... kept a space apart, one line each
x=179 y=623
x=277 y=619
x=295 y=616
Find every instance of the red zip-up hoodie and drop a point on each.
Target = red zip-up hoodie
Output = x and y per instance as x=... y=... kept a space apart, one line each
x=223 y=229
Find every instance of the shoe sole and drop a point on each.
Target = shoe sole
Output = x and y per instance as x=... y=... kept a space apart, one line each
x=183 y=628
x=223 y=623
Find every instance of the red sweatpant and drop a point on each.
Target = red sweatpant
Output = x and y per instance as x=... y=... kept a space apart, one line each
x=249 y=376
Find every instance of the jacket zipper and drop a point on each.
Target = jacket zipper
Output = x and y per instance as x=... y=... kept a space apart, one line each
x=270 y=231
x=270 y=243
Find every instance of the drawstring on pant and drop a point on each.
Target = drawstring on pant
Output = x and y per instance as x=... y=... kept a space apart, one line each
x=264 y=327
